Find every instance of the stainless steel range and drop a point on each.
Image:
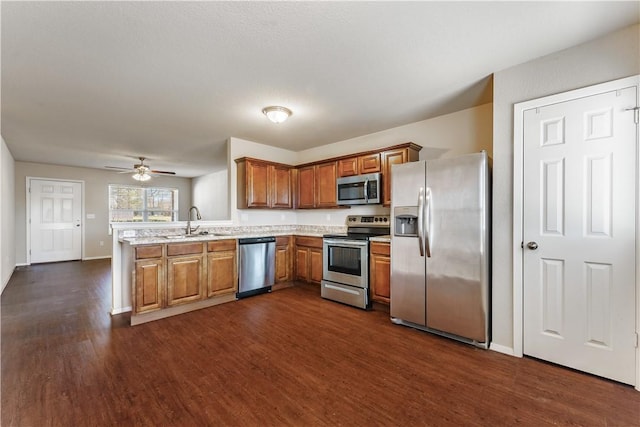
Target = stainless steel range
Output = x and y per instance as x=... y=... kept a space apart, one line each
x=345 y=265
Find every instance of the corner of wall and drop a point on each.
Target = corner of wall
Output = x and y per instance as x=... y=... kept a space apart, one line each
x=7 y=215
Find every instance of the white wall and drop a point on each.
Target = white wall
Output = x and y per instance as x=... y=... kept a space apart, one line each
x=210 y=195
x=608 y=58
x=7 y=215
x=96 y=192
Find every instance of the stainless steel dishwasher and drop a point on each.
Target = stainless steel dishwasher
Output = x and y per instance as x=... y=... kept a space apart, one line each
x=257 y=264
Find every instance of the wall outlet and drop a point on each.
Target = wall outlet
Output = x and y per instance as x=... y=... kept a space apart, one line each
x=244 y=217
x=101 y=243
x=328 y=217
x=91 y=216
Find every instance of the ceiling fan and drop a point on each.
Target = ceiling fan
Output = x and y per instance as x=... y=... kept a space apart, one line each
x=141 y=172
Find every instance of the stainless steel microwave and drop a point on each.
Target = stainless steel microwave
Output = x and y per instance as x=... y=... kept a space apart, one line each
x=360 y=189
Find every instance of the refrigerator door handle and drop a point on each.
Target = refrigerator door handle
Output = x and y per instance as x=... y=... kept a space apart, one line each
x=421 y=220
x=427 y=225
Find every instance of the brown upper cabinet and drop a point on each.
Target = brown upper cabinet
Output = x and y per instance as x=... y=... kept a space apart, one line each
x=268 y=185
x=359 y=165
x=403 y=154
x=264 y=184
x=317 y=186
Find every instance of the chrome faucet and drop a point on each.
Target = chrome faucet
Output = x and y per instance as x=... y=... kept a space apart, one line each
x=198 y=216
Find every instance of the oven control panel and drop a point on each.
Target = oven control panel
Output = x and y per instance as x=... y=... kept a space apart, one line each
x=368 y=221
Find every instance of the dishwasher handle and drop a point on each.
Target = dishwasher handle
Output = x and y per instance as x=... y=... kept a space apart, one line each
x=255 y=240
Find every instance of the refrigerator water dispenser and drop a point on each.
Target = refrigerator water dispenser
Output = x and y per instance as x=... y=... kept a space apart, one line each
x=406 y=221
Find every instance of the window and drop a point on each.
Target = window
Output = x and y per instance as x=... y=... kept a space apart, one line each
x=128 y=203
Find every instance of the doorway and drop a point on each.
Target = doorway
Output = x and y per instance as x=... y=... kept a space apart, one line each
x=575 y=232
x=54 y=220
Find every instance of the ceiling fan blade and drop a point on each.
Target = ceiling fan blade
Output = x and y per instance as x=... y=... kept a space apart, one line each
x=117 y=167
x=163 y=172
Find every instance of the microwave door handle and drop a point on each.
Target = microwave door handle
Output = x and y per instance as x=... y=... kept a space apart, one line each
x=366 y=190
x=421 y=220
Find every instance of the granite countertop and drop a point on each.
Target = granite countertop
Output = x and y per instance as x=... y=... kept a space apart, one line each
x=177 y=238
x=385 y=239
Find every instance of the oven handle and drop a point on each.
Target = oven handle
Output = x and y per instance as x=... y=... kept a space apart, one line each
x=341 y=242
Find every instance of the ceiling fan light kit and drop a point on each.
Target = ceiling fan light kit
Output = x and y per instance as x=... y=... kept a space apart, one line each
x=141 y=176
x=276 y=113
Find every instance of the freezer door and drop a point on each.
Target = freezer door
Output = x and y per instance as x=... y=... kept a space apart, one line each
x=457 y=218
x=407 y=301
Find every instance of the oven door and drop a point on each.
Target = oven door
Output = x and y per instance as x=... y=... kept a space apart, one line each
x=346 y=261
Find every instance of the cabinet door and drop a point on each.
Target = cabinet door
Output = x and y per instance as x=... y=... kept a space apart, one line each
x=369 y=163
x=326 y=176
x=302 y=263
x=258 y=187
x=222 y=271
x=281 y=188
x=315 y=269
x=149 y=285
x=348 y=167
x=306 y=186
x=380 y=278
x=184 y=279
x=390 y=158
x=283 y=260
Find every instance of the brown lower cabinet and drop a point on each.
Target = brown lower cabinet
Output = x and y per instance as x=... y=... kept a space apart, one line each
x=222 y=268
x=284 y=259
x=149 y=285
x=172 y=274
x=308 y=259
x=184 y=272
x=380 y=271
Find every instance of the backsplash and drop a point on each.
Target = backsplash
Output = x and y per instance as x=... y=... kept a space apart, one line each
x=236 y=230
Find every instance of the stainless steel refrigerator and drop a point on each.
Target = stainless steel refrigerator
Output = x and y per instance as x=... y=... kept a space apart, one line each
x=440 y=247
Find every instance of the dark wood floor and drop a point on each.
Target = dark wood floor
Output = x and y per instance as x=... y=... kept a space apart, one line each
x=285 y=358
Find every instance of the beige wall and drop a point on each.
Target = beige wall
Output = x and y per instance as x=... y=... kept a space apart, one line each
x=608 y=58
x=209 y=194
x=96 y=184
x=462 y=132
x=7 y=215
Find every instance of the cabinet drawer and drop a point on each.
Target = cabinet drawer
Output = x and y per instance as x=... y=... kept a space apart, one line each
x=184 y=249
x=282 y=240
x=221 y=245
x=380 y=248
x=312 y=242
x=145 y=252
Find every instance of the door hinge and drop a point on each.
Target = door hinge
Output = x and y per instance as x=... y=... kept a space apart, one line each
x=636 y=340
x=636 y=113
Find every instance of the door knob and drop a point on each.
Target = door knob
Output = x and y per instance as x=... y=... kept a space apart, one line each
x=532 y=245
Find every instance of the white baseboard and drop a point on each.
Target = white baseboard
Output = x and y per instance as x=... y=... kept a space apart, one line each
x=96 y=257
x=501 y=349
x=22 y=264
x=120 y=310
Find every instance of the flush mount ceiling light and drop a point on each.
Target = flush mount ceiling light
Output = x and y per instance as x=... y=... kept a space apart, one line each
x=276 y=114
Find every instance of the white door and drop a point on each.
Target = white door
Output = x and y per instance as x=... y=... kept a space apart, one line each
x=580 y=212
x=55 y=222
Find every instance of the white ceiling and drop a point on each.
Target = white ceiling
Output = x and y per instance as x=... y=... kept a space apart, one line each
x=100 y=83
